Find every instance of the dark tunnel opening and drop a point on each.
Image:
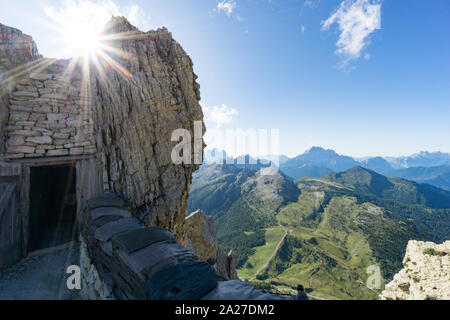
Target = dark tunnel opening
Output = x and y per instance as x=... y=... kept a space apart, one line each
x=52 y=207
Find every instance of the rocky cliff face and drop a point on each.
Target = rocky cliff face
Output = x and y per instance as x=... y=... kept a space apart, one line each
x=17 y=52
x=136 y=109
x=425 y=274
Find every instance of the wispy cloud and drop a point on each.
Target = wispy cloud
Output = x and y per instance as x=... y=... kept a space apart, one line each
x=356 y=19
x=303 y=28
x=226 y=6
x=94 y=14
x=311 y=3
x=219 y=115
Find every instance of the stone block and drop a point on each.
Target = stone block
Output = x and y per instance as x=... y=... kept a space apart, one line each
x=76 y=151
x=61 y=142
x=40 y=140
x=42 y=109
x=15 y=155
x=26 y=94
x=55 y=96
x=20 y=149
x=40 y=76
x=18 y=107
x=57 y=125
x=25 y=123
x=18 y=116
x=57 y=152
x=28 y=133
x=61 y=136
x=56 y=116
x=16 y=140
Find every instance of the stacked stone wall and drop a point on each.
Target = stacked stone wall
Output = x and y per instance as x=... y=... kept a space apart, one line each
x=50 y=114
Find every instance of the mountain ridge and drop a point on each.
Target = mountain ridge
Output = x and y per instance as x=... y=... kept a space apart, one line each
x=409 y=192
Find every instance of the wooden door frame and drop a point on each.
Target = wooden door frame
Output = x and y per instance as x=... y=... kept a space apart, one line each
x=10 y=211
x=25 y=185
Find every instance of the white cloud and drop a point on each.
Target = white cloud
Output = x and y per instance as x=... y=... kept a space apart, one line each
x=219 y=115
x=137 y=17
x=356 y=19
x=226 y=6
x=303 y=28
x=94 y=14
x=310 y=3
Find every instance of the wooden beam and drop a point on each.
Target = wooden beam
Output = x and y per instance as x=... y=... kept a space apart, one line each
x=6 y=197
x=51 y=160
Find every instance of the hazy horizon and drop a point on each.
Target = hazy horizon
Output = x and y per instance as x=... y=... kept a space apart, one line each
x=339 y=153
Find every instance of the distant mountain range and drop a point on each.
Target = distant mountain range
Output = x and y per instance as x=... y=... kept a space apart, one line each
x=438 y=176
x=424 y=167
x=421 y=159
x=322 y=232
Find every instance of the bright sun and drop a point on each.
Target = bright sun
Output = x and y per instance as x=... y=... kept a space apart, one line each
x=81 y=25
x=84 y=41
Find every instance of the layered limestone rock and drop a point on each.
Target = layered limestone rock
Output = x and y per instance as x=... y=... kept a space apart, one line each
x=17 y=54
x=201 y=237
x=425 y=273
x=137 y=107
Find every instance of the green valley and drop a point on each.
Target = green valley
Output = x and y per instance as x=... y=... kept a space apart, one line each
x=321 y=232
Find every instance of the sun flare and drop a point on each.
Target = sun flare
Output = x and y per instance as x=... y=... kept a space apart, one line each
x=79 y=25
x=84 y=42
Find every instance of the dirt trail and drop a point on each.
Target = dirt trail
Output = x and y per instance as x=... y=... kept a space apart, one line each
x=40 y=277
x=273 y=254
x=354 y=250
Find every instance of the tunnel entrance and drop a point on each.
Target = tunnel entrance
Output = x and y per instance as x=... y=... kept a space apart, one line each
x=52 y=206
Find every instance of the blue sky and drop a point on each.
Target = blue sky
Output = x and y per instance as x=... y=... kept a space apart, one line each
x=383 y=89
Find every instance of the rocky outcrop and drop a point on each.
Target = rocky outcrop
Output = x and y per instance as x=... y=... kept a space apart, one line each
x=17 y=52
x=16 y=49
x=425 y=274
x=201 y=237
x=136 y=109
